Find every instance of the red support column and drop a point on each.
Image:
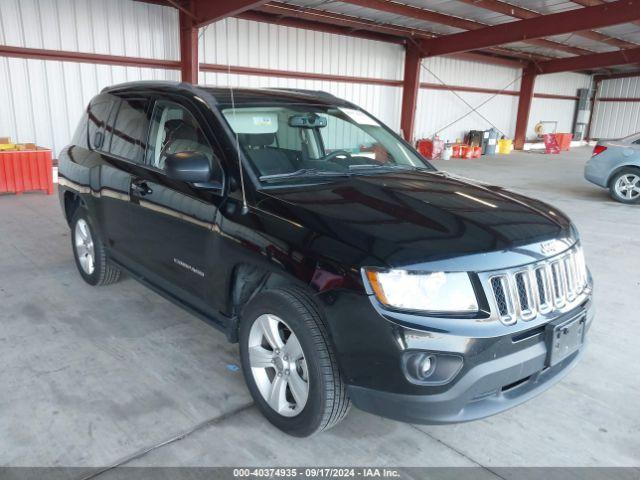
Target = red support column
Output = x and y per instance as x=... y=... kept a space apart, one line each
x=524 y=106
x=410 y=89
x=188 y=48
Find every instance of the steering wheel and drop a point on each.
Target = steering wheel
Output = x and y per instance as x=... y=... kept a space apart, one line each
x=337 y=153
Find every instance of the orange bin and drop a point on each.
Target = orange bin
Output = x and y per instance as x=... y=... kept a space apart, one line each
x=564 y=141
x=26 y=170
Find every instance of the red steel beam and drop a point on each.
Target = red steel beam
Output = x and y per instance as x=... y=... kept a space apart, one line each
x=452 y=21
x=209 y=11
x=188 y=45
x=593 y=3
x=493 y=91
x=81 y=57
x=613 y=13
x=523 y=14
x=410 y=89
x=611 y=76
x=527 y=84
x=586 y=62
x=491 y=59
x=268 y=72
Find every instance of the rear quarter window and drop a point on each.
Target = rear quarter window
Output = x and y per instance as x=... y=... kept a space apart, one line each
x=80 y=137
x=97 y=116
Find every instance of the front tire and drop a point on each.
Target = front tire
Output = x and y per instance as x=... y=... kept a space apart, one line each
x=89 y=252
x=289 y=364
x=625 y=186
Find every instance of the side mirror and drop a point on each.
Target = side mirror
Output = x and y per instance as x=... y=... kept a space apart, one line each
x=192 y=167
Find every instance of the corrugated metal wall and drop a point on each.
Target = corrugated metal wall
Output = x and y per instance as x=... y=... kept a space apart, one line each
x=43 y=99
x=617 y=119
x=114 y=27
x=251 y=44
x=562 y=111
x=437 y=109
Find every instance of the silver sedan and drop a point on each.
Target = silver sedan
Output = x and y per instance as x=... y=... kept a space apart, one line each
x=615 y=164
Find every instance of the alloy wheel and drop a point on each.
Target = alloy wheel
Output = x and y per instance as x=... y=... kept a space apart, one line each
x=278 y=365
x=84 y=246
x=628 y=186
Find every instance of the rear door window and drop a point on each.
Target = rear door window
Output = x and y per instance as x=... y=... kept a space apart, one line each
x=128 y=138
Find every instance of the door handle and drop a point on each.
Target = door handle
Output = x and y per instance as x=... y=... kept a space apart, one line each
x=141 y=188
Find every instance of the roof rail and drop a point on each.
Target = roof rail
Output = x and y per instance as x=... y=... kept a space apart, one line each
x=148 y=84
x=315 y=93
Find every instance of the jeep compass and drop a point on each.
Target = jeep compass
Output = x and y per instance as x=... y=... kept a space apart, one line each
x=347 y=267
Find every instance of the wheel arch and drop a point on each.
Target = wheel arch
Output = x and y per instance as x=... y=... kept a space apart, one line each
x=617 y=170
x=247 y=281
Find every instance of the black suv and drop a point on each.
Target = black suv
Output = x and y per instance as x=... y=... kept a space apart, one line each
x=347 y=267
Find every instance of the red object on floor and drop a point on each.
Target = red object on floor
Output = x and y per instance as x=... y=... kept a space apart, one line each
x=26 y=170
x=477 y=152
x=564 y=141
x=430 y=149
x=551 y=143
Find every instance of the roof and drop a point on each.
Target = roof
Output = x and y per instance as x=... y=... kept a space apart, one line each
x=435 y=18
x=223 y=95
x=538 y=34
x=272 y=95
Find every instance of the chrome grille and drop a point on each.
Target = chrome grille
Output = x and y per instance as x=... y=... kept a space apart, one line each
x=540 y=288
x=502 y=297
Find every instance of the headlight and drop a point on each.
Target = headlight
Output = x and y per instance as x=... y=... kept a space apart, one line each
x=434 y=292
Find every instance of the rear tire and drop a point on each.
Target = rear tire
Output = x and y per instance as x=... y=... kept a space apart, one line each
x=89 y=252
x=285 y=314
x=625 y=186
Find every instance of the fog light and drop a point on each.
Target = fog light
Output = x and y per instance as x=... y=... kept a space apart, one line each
x=421 y=365
x=429 y=368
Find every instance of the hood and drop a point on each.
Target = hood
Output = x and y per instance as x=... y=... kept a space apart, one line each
x=409 y=218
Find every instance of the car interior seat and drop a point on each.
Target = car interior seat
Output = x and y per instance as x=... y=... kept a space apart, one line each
x=268 y=159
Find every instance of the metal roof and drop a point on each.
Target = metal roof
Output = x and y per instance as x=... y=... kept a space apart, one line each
x=566 y=43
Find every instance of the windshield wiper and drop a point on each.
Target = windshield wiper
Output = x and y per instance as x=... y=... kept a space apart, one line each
x=386 y=167
x=304 y=172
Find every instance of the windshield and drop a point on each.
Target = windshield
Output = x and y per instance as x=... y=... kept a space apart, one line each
x=301 y=141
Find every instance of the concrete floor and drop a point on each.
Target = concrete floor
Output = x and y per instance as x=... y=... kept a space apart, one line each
x=94 y=377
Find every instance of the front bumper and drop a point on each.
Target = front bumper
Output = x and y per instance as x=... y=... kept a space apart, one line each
x=485 y=389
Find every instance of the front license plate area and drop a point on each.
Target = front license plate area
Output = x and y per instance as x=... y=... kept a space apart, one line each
x=564 y=338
